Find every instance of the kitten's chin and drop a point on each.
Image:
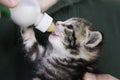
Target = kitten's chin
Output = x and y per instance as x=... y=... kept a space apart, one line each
x=55 y=42
x=53 y=37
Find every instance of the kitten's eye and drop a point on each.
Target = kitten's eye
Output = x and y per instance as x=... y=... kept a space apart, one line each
x=70 y=26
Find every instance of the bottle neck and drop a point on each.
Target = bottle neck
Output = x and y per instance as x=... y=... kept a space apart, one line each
x=43 y=22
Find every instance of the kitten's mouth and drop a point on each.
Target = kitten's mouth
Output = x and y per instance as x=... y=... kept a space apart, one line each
x=56 y=32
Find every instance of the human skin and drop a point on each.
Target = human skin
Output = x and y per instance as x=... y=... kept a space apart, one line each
x=90 y=76
x=44 y=4
x=9 y=3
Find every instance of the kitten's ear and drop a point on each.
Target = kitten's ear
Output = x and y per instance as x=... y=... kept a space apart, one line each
x=94 y=38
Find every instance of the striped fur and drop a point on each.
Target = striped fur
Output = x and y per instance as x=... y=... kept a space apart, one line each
x=72 y=50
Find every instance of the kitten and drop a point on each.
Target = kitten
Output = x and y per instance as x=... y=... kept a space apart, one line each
x=73 y=49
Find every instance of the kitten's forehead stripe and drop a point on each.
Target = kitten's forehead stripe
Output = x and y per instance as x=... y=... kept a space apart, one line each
x=73 y=20
x=77 y=22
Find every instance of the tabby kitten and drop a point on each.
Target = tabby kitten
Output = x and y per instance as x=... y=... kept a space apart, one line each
x=72 y=50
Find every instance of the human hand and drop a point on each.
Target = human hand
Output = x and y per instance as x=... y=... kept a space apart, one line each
x=46 y=4
x=9 y=3
x=90 y=76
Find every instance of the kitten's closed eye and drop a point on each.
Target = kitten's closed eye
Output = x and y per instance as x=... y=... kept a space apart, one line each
x=70 y=26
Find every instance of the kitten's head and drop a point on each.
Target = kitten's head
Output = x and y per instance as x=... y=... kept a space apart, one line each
x=76 y=35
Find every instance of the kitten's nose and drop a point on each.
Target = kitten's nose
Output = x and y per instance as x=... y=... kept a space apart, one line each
x=59 y=26
x=58 y=23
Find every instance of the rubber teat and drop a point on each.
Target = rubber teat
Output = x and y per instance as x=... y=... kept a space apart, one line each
x=51 y=27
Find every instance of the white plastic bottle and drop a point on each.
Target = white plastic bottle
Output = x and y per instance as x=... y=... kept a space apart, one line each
x=28 y=12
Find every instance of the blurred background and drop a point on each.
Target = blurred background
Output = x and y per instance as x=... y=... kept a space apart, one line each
x=103 y=14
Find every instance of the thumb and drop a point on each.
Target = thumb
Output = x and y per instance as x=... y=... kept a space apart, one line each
x=9 y=3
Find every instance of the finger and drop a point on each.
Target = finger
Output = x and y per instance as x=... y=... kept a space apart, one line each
x=106 y=77
x=46 y=4
x=9 y=3
x=89 y=76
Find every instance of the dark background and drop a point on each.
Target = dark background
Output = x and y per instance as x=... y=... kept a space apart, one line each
x=105 y=17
